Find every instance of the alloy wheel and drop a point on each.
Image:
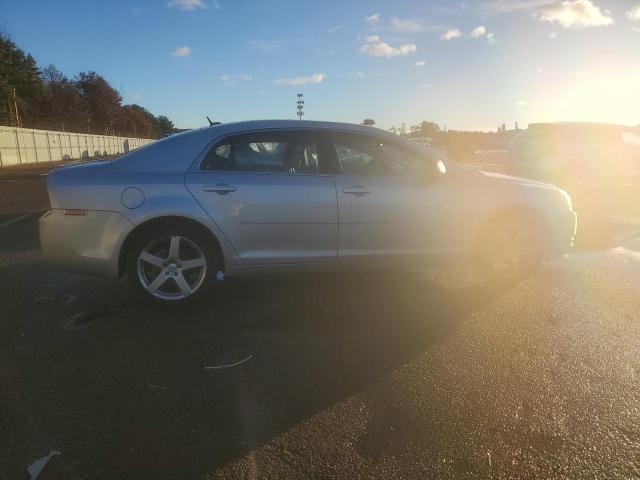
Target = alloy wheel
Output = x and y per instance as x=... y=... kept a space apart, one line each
x=515 y=251
x=171 y=268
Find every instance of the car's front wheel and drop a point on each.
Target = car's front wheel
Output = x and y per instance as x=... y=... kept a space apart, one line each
x=172 y=264
x=510 y=248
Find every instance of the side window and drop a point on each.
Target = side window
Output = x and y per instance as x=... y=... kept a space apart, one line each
x=363 y=155
x=218 y=158
x=276 y=152
x=354 y=160
x=401 y=161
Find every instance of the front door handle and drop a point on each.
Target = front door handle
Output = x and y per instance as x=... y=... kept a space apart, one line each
x=357 y=190
x=220 y=188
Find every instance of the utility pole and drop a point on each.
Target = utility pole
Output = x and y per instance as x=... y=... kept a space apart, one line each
x=300 y=106
x=15 y=105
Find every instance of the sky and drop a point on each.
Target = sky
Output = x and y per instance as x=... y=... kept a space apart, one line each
x=472 y=65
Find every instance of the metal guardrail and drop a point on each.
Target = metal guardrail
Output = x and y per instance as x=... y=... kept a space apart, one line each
x=27 y=146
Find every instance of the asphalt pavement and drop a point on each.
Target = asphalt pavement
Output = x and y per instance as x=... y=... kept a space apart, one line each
x=436 y=374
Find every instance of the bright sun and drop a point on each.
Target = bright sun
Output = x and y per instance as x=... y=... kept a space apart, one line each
x=599 y=97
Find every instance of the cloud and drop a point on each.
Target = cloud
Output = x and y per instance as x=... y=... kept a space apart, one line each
x=411 y=26
x=521 y=103
x=335 y=29
x=553 y=35
x=315 y=78
x=451 y=34
x=568 y=13
x=406 y=26
x=420 y=63
x=356 y=75
x=478 y=32
x=232 y=79
x=182 y=52
x=134 y=96
x=636 y=29
x=634 y=13
x=374 y=47
x=424 y=85
x=575 y=14
x=481 y=31
x=373 y=19
x=497 y=7
x=187 y=5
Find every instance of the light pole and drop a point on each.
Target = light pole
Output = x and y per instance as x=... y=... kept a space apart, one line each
x=300 y=106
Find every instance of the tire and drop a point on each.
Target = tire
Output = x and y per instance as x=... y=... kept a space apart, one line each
x=510 y=248
x=172 y=264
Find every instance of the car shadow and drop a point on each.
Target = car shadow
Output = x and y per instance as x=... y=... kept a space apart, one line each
x=124 y=389
x=20 y=233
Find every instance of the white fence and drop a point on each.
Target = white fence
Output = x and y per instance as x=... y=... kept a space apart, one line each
x=23 y=145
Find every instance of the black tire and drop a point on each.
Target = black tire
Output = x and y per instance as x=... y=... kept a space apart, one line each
x=491 y=241
x=193 y=244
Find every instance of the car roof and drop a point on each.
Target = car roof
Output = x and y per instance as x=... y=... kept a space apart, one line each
x=252 y=125
x=177 y=152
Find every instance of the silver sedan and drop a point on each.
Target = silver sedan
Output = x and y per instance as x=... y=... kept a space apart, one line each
x=241 y=198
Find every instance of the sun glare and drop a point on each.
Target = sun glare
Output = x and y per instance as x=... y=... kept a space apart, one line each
x=599 y=97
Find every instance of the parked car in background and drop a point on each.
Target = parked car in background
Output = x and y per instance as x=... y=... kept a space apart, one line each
x=572 y=153
x=259 y=196
x=598 y=164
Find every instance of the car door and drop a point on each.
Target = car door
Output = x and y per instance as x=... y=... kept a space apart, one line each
x=393 y=202
x=268 y=194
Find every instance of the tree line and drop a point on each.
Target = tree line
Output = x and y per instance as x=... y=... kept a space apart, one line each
x=31 y=97
x=458 y=144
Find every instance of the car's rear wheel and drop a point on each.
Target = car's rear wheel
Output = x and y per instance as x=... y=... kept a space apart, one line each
x=172 y=264
x=510 y=248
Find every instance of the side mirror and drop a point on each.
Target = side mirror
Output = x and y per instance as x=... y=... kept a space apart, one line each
x=434 y=173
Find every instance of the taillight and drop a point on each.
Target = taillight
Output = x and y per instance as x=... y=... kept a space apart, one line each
x=75 y=211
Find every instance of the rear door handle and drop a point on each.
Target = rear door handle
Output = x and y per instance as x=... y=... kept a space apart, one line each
x=220 y=188
x=357 y=190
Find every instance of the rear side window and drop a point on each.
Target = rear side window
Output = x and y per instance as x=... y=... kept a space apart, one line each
x=265 y=152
